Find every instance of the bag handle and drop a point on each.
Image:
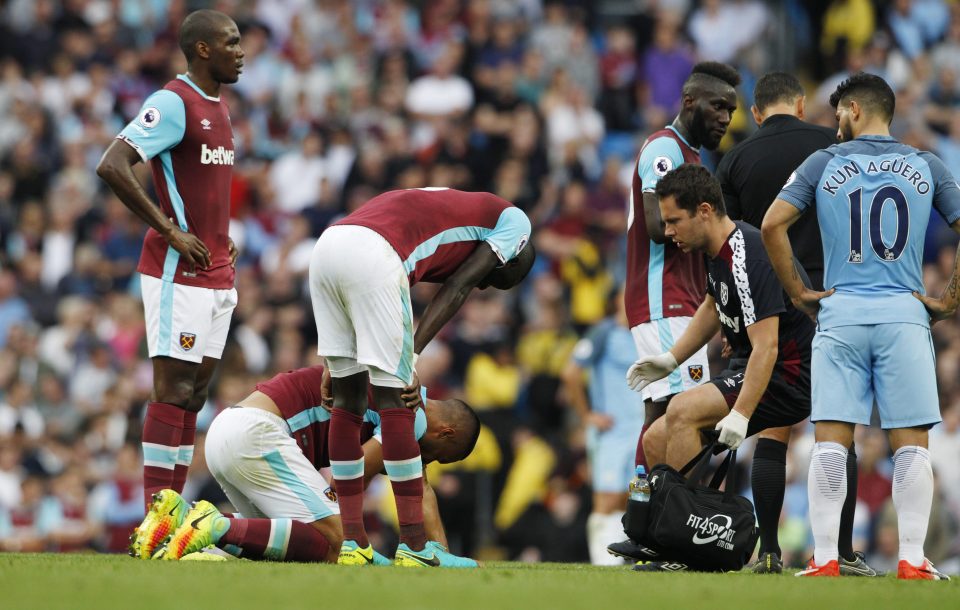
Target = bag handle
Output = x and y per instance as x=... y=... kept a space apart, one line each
x=701 y=462
x=726 y=471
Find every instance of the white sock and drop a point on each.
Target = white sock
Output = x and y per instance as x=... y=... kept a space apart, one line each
x=912 y=497
x=613 y=532
x=595 y=526
x=826 y=490
x=598 y=537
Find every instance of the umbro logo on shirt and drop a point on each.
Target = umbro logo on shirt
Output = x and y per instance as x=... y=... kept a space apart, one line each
x=205 y=124
x=215 y=156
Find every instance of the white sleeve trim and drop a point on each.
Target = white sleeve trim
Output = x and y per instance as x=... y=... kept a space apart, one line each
x=740 y=277
x=134 y=146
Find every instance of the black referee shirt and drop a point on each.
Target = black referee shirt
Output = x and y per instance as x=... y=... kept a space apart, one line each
x=754 y=171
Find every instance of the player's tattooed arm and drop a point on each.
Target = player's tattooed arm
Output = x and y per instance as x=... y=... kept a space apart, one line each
x=946 y=306
x=774 y=231
x=116 y=169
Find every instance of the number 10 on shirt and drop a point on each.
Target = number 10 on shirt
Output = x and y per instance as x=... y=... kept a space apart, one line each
x=880 y=248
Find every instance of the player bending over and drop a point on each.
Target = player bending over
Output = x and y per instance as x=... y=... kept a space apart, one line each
x=360 y=277
x=265 y=452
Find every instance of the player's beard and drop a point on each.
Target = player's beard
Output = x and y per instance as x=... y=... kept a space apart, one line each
x=228 y=77
x=845 y=132
x=699 y=131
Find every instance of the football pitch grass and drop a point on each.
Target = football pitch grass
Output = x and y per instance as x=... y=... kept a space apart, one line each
x=104 y=582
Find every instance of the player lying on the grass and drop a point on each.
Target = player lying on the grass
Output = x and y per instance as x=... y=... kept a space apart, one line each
x=767 y=380
x=265 y=452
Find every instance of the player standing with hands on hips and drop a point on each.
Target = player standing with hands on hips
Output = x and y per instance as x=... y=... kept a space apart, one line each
x=873 y=197
x=751 y=175
x=187 y=263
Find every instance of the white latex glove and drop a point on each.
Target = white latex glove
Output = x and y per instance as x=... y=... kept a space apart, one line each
x=733 y=429
x=648 y=369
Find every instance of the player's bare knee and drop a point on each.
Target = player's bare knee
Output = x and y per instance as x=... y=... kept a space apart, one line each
x=682 y=413
x=350 y=393
x=196 y=402
x=177 y=392
x=651 y=444
x=780 y=435
x=387 y=398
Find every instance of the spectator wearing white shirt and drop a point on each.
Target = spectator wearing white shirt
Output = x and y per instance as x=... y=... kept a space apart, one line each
x=574 y=129
x=721 y=29
x=438 y=96
x=442 y=92
x=17 y=410
x=295 y=176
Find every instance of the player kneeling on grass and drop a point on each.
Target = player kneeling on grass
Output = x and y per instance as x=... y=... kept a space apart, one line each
x=767 y=380
x=265 y=453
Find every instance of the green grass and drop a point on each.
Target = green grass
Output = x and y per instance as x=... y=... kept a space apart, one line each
x=102 y=582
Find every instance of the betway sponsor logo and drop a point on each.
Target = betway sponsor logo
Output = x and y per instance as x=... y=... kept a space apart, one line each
x=216 y=156
x=715 y=529
x=727 y=321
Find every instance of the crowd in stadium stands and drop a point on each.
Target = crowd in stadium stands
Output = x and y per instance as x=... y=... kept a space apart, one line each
x=541 y=102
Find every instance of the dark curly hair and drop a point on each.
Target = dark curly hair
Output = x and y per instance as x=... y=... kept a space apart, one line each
x=690 y=185
x=714 y=69
x=870 y=91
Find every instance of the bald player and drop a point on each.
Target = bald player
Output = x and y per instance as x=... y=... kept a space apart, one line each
x=183 y=131
x=266 y=451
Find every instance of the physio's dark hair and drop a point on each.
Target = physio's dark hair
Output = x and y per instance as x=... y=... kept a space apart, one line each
x=705 y=72
x=467 y=421
x=774 y=88
x=691 y=184
x=199 y=26
x=870 y=91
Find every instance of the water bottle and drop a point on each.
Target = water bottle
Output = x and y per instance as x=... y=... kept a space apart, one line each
x=639 y=488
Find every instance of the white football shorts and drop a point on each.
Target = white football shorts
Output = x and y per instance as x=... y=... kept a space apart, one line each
x=186 y=322
x=261 y=469
x=361 y=304
x=658 y=336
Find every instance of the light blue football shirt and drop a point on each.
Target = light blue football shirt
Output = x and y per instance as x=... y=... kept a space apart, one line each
x=419 y=420
x=873 y=197
x=606 y=352
x=159 y=127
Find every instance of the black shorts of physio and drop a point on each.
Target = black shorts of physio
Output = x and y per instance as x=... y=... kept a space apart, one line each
x=786 y=400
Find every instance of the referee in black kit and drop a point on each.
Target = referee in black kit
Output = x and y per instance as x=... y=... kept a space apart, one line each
x=753 y=173
x=751 y=176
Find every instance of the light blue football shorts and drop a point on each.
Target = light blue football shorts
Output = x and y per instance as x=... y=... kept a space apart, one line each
x=892 y=364
x=612 y=455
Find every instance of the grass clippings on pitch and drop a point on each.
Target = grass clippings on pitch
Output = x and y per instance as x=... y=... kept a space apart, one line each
x=104 y=582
